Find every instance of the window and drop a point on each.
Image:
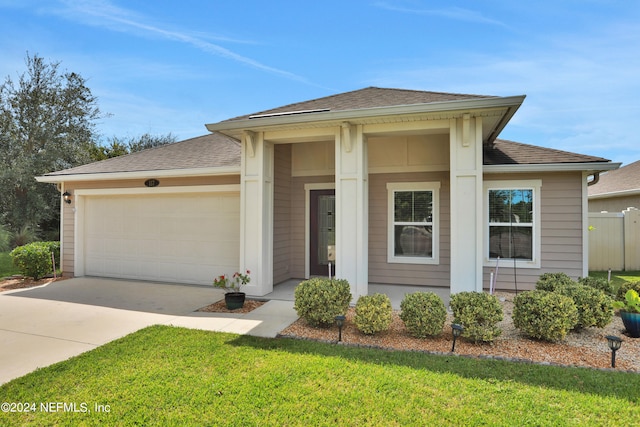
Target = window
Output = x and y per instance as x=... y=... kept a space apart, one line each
x=413 y=223
x=513 y=218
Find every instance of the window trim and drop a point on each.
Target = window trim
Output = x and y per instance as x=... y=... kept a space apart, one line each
x=434 y=187
x=527 y=184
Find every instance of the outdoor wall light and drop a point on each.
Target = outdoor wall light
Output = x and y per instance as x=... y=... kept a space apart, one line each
x=457 y=331
x=614 y=344
x=340 y=322
x=67 y=197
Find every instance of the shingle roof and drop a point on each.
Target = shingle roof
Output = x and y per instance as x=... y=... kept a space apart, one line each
x=369 y=97
x=504 y=152
x=627 y=178
x=207 y=151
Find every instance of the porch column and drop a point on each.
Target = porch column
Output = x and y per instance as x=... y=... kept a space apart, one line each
x=466 y=204
x=352 y=213
x=256 y=213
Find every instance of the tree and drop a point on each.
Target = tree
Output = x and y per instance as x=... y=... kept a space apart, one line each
x=47 y=123
x=119 y=147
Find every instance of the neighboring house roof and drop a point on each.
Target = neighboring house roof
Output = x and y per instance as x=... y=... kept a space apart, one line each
x=620 y=182
x=213 y=150
x=370 y=97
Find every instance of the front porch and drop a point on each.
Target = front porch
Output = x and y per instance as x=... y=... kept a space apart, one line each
x=284 y=291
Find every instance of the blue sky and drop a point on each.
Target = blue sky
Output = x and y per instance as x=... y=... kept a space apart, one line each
x=166 y=66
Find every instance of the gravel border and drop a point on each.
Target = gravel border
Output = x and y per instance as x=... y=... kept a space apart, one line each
x=584 y=348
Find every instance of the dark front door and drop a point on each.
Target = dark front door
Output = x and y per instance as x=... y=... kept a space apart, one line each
x=322 y=230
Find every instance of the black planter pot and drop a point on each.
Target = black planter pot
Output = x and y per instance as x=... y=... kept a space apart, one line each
x=631 y=322
x=234 y=300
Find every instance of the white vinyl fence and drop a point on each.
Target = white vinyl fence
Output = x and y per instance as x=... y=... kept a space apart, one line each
x=614 y=240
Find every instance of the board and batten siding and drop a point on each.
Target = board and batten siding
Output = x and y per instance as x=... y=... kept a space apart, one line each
x=68 y=212
x=561 y=232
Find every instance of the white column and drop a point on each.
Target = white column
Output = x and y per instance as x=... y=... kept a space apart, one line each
x=466 y=204
x=352 y=202
x=256 y=213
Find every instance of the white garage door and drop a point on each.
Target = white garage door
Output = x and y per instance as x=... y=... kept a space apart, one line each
x=181 y=238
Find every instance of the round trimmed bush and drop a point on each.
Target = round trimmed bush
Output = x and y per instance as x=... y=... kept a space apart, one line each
x=319 y=300
x=544 y=315
x=34 y=259
x=479 y=313
x=598 y=283
x=373 y=313
x=423 y=314
x=551 y=281
x=622 y=290
x=594 y=306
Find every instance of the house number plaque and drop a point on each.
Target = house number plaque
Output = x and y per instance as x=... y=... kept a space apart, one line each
x=152 y=183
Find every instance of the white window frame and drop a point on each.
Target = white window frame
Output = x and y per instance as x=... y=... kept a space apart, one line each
x=530 y=184
x=434 y=187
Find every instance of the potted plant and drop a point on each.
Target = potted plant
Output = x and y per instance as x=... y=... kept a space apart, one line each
x=233 y=298
x=630 y=312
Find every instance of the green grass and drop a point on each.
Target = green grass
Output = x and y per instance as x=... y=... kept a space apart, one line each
x=6 y=265
x=618 y=277
x=172 y=376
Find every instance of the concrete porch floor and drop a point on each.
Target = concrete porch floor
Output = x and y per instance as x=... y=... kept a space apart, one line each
x=284 y=291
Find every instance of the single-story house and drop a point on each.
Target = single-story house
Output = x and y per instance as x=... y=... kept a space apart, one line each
x=390 y=186
x=616 y=190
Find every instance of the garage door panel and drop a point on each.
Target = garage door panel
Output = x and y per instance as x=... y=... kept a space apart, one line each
x=177 y=238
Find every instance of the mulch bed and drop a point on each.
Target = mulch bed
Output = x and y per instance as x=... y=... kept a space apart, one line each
x=18 y=282
x=220 y=307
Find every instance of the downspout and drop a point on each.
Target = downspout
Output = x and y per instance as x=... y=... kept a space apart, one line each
x=596 y=178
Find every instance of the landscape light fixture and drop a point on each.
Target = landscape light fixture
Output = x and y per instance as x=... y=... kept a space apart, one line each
x=457 y=331
x=67 y=197
x=614 y=344
x=340 y=322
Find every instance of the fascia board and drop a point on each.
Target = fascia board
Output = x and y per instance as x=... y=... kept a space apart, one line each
x=622 y=193
x=262 y=122
x=168 y=173
x=552 y=167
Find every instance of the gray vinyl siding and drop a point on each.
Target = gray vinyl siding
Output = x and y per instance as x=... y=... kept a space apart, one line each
x=560 y=234
x=380 y=271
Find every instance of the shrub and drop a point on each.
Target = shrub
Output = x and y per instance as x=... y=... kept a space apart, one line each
x=479 y=313
x=34 y=259
x=423 y=314
x=319 y=300
x=551 y=281
x=373 y=313
x=599 y=283
x=622 y=290
x=24 y=236
x=544 y=315
x=594 y=306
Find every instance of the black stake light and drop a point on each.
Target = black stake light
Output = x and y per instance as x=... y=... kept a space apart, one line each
x=614 y=344
x=457 y=331
x=340 y=322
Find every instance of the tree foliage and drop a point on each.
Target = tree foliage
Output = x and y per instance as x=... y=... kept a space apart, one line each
x=47 y=123
x=121 y=146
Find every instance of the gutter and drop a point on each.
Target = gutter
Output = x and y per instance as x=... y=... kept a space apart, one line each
x=166 y=173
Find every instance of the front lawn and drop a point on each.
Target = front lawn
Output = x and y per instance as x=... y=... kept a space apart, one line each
x=173 y=376
x=6 y=265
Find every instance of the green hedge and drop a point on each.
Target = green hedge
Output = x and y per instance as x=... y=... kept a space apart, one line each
x=34 y=259
x=479 y=313
x=373 y=313
x=544 y=315
x=423 y=314
x=319 y=300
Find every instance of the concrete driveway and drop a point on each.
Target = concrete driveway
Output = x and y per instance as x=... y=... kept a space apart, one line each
x=44 y=325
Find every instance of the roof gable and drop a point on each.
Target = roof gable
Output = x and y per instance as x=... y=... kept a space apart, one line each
x=369 y=97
